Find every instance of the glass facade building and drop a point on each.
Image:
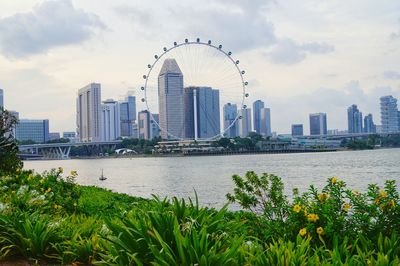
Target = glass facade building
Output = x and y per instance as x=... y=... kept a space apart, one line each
x=369 y=125
x=1 y=98
x=318 y=124
x=354 y=120
x=389 y=114
x=230 y=122
x=34 y=130
x=127 y=111
x=297 y=130
x=244 y=122
x=257 y=106
x=265 y=122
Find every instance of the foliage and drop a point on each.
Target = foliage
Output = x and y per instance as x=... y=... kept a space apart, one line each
x=47 y=218
x=9 y=161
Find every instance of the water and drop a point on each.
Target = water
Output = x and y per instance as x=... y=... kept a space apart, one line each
x=211 y=176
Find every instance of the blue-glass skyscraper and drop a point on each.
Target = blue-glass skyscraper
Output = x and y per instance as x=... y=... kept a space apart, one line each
x=127 y=111
x=257 y=106
x=35 y=130
x=354 y=119
x=201 y=105
x=230 y=114
x=369 y=125
x=318 y=124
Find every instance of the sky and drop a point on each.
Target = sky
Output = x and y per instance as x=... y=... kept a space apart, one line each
x=300 y=57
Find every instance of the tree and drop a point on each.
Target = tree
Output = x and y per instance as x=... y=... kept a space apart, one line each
x=9 y=160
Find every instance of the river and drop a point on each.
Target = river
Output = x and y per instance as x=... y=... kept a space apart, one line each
x=210 y=176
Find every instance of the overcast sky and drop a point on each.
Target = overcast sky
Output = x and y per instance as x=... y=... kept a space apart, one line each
x=300 y=56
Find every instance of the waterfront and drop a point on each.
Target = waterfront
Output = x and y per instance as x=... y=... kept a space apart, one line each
x=211 y=176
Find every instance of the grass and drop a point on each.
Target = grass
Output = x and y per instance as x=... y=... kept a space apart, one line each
x=48 y=219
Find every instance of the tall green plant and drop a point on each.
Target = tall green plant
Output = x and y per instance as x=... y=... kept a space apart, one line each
x=9 y=161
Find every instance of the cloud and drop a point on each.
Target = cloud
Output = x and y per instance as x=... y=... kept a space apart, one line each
x=391 y=75
x=49 y=24
x=288 y=52
x=396 y=35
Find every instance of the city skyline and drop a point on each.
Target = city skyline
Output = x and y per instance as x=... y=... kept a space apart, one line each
x=329 y=65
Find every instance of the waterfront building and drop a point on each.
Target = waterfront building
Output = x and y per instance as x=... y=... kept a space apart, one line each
x=265 y=122
x=170 y=100
x=257 y=106
x=230 y=121
x=369 y=125
x=110 y=120
x=54 y=136
x=89 y=113
x=318 y=124
x=33 y=130
x=202 y=115
x=71 y=135
x=155 y=129
x=127 y=111
x=389 y=114
x=1 y=98
x=144 y=124
x=354 y=119
x=297 y=130
x=244 y=122
x=135 y=130
x=334 y=132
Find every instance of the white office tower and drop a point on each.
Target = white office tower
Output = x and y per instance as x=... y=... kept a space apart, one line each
x=88 y=113
x=389 y=114
x=110 y=120
x=244 y=122
x=265 y=122
x=170 y=100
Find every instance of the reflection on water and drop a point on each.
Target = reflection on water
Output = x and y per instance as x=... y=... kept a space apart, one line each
x=210 y=176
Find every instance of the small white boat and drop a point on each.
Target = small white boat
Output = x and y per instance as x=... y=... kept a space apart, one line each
x=102 y=177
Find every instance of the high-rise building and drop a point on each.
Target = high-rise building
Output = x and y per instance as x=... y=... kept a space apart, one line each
x=244 y=122
x=89 y=113
x=201 y=112
x=110 y=120
x=127 y=110
x=354 y=119
x=54 y=135
x=318 y=124
x=369 y=125
x=69 y=135
x=170 y=100
x=265 y=122
x=257 y=106
x=230 y=121
x=389 y=114
x=1 y=98
x=144 y=120
x=155 y=129
x=34 y=130
x=297 y=130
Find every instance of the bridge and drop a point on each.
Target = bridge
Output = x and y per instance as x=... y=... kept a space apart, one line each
x=62 y=150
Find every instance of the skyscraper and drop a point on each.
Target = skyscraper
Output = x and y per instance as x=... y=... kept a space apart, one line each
x=318 y=124
x=144 y=124
x=230 y=114
x=297 y=130
x=244 y=122
x=155 y=130
x=110 y=120
x=389 y=114
x=369 y=126
x=170 y=100
x=1 y=98
x=88 y=113
x=34 y=130
x=265 y=122
x=354 y=119
x=257 y=106
x=201 y=105
x=127 y=110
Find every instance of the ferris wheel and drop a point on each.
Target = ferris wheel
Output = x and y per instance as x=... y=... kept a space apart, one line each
x=191 y=85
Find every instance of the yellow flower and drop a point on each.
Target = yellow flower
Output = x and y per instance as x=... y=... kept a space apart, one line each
x=55 y=206
x=320 y=231
x=42 y=189
x=382 y=206
x=356 y=193
x=346 y=206
x=297 y=208
x=333 y=180
x=303 y=231
x=377 y=201
x=305 y=212
x=73 y=173
x=313 y=217
x=48 y=190
x=383 y=194
x=41 y=181
x=60 y=169
x=392 y=203
x=322 y=197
